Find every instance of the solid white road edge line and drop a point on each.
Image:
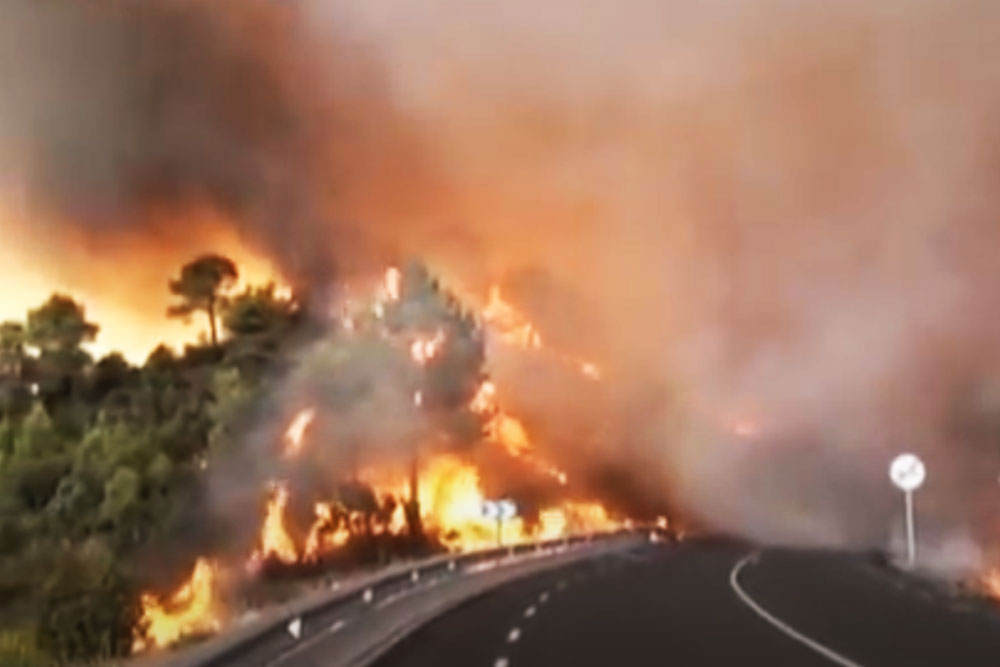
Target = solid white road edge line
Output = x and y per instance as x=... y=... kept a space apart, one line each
x=827 y=653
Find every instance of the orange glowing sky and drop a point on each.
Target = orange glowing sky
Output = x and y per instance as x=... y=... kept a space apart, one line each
x=123 y=288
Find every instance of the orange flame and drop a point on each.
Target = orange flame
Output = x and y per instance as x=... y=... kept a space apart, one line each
x=508 y=431
x=275 y=542
x=451 y=503
x=326 y=534
x=191 y=610
x=296 y=432
x=514 y=328
x=511 y=325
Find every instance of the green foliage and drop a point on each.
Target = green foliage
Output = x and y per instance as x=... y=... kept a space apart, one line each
x=18 y=649
x=101 y=463
x=121 y=495
x=259 y=313
x=37 y=437
x=12 y=354
x=89 y=609
x=233 y=397
x=97 y=460
x=34 y=481
x=59 y=325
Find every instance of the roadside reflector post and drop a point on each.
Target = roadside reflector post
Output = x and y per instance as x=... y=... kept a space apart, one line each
x=908 y=473
x=295 y=627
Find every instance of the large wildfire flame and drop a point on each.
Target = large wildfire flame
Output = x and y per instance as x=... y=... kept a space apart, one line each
x=449 y=488
x=451 y=504
x=191 y=610
x=275 y=543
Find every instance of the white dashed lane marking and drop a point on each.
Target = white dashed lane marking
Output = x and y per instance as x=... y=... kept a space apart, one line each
x=501 y=662
x=529 y=612
x=513 y=635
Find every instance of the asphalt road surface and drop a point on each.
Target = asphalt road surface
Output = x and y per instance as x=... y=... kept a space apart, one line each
x=705 y=603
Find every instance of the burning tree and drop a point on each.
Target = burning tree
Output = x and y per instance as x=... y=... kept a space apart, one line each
x=382 y=423
x=380 y=453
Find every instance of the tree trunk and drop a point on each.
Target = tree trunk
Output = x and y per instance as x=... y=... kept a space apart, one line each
x=412 y=509
x=211 y=323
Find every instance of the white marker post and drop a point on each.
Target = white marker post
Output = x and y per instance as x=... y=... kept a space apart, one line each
x=508 y=510
x=491 y=510
x=907 y=472
x=500 y=511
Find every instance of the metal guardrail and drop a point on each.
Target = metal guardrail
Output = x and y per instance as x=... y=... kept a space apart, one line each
x=226 y=649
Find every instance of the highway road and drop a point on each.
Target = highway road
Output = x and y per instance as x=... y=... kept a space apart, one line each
x=710 y=602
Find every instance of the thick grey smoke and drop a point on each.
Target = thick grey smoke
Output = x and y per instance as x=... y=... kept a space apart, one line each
x=783 y=212
x=130 y=118
x=775 y=221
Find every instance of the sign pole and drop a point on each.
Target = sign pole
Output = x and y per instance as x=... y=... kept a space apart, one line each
x=908 y=473
x=911 y=542
x=499 y=530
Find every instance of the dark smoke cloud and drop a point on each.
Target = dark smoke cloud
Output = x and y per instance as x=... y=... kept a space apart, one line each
x=127 y=117
x=784 y=212
x=764 y=210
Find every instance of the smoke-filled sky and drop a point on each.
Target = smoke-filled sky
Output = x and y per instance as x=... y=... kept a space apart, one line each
x=772 y=212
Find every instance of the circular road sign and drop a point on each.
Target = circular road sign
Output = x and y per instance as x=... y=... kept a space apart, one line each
x=907 y=472
x=508 y=510
x=490 y=509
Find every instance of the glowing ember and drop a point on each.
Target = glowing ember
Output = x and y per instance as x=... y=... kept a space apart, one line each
x=512 y=326
x=284 y=293
x=191 y=610
x=990 y=582
x=295 y=434
x=423 y=350
x=275 y=542
x=484 y=402
x=508 y=432
x=391 y=283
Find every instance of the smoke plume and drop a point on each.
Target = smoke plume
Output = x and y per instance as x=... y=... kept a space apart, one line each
x=773 y=223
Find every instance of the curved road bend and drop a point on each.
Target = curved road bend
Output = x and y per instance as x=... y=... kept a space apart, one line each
x=707 y=603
